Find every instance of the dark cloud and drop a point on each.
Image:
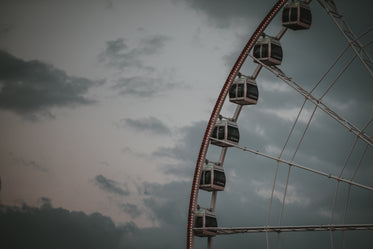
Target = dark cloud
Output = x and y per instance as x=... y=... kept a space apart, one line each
x=111 y=186
x=223 y=13
x=141 y=86
x=118 y=53
x=48 y=227
x=29 y=87
x=150 y=124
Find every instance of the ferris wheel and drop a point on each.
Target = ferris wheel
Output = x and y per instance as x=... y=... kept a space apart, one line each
x=264 y=54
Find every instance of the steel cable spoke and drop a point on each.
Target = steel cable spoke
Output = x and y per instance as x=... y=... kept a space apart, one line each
x=281 y=229
x=256 y=152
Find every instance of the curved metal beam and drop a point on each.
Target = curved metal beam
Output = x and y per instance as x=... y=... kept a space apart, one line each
x=215 y=113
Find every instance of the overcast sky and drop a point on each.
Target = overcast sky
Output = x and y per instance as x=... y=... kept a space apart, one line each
x=103 y=105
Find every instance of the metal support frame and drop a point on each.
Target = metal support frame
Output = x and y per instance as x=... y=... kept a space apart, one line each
x=288 y=80
x=351 y=38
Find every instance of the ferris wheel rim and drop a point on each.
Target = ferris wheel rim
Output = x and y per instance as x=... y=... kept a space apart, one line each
x=214 y=115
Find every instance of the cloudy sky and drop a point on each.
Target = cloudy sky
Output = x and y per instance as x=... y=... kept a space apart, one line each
x=103 y=105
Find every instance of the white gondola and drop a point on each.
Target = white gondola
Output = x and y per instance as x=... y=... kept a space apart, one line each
x=244 y=91
x=296 y=15
x=225 y=131
x=268 y=50
x=204 y=219
x=212 y=178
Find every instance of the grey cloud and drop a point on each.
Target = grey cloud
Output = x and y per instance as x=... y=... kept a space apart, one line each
x=119 y=55
x=150 y=188
x=151 y=124
x=147 y=188
x=185 y=150
x=5 y=29
x=169 y=202
x=128 y=150
x=28 y=87
x=33 y=164
x=140 y=86
x=28 y=163
x=45 y=202
x=130 y=209
x=114 y=47
x=104 y=163
x=111 y=186
x=152 y=44
x=116 y=56
x=109 y=4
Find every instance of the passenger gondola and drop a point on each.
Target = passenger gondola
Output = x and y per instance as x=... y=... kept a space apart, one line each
x=296 y=15
x=268 y=50
x=244 y=91
x=205 y=219
x=225 y=131
x=212 y=178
